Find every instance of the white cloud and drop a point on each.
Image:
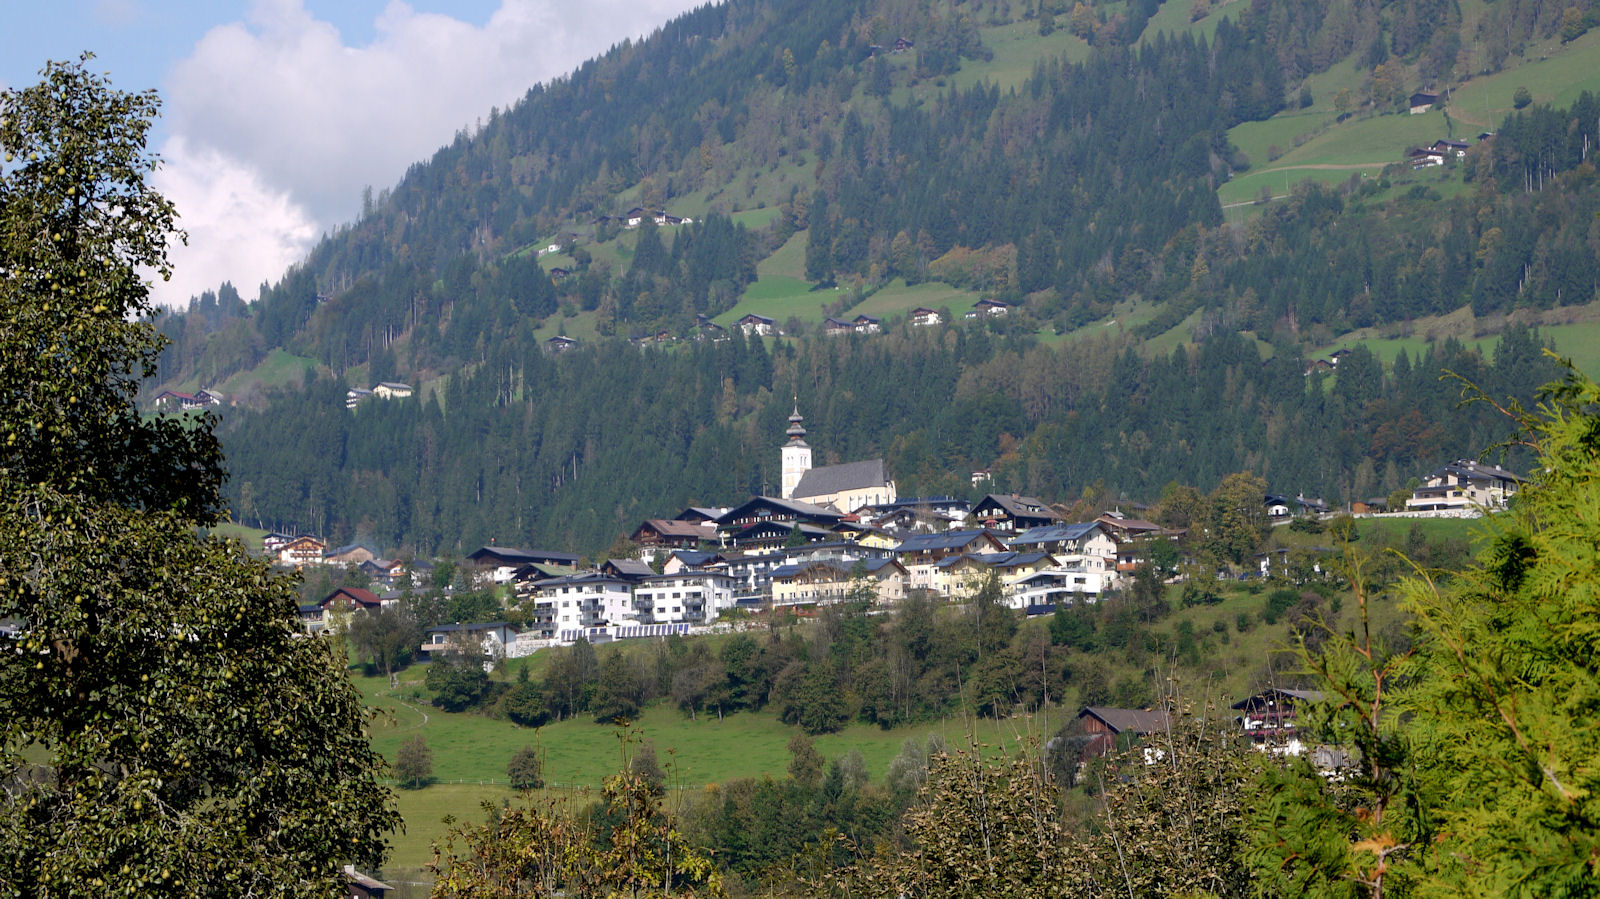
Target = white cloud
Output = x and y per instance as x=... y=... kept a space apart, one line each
x=240 y=229
x=281 y=96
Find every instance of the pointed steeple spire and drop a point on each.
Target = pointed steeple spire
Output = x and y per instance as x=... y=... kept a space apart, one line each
x=797 y=431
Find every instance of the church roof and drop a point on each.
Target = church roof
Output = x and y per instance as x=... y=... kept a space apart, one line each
x=831 y=479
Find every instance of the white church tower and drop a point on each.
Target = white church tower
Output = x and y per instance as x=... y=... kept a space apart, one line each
x=796 y=454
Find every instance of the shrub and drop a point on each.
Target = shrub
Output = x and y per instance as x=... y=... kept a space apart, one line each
x=526 y=769
x=413 y=764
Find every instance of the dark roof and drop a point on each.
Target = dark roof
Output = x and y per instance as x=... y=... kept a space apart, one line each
x=587 y=577
x=1017 y=506
x=629 y=568
x=1128 y=721
x=507 y=556
x=1053 y=533
x=695 y=558
x=1278 y=693
x=830 y=479
x=483 y=626
x=1474 y=471
x=918 y=543
x=753 y=316
x=792 y=507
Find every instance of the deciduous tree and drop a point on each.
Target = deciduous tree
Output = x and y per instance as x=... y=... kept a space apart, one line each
x=165 y=727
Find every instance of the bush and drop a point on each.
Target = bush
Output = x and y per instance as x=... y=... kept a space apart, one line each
x=413 y=764
x=526 y=769
x=1520 y=98
x=524 y=705
x=1278 y=602
x=457 y=688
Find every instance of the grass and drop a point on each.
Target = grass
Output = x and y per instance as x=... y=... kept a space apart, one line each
x=1018 y=48
x=279 y=369
x=897 y=297
x=470 y=752
x=250 y=537
x=1173 y=18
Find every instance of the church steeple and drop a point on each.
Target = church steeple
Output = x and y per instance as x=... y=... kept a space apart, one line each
x=796 y=453
x=797 y=431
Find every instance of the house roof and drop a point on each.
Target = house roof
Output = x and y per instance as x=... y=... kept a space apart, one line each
x=952 y=540
x=1468 y=469
x=695 y=558
x=483 y=626
x=394 y=385
x=587 y=577
x=356 y=595
x=1276 y=694
x=350 y=548
x=789 y=506
x=1054 y=533
x=671 y=528
x=831 y=479
x=1128 y=721
x=1017 y=506
x=1014 y=559
x=755 y=317
x=508 y=556
x=363 y=880
x=629 y=568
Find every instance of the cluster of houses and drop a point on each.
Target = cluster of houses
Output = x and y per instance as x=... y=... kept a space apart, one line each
x=756 y=325
x=384 y=390
x=1436 y=154
x=636 y=216
x=1267 y=720
x=834 y=532
x=175 y=401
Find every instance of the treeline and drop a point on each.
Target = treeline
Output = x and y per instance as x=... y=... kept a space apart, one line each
x=572 y=451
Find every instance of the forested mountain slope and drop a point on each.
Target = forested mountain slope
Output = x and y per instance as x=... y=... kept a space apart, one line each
x=848 y=128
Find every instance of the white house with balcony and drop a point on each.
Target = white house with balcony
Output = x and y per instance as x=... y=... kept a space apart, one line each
x=683 y=597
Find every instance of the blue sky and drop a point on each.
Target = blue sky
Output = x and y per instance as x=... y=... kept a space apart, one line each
x=277 y=113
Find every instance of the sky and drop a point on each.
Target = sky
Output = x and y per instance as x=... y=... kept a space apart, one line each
x=277 y=113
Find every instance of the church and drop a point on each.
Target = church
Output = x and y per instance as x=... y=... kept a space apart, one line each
x=844 y=488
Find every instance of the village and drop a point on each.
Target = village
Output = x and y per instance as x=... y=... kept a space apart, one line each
x=834 y=533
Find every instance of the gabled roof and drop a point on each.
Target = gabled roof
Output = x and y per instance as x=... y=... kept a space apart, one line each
x=950 y=540
x=366 y=599
x=629 y=568
x=579 y=580
x=1054 y=533
x=469 y=628
x=1276 y=694
x=672 y=528
x=1471 y=470
x=831 y=479
x=394 y=385
x=694 y=514
x=350 y=548
x=1014 y=559
x=785 y=506
x=1017 y=506
x=1128 y=721
x=695 y=558
x=507 y=556
x=756 y=317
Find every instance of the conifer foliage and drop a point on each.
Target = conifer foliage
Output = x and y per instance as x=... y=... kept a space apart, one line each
x=165 y=729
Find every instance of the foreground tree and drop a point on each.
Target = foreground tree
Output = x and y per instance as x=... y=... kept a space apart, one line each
x=1475 y=766
x=165 y=728
x=547 y=849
